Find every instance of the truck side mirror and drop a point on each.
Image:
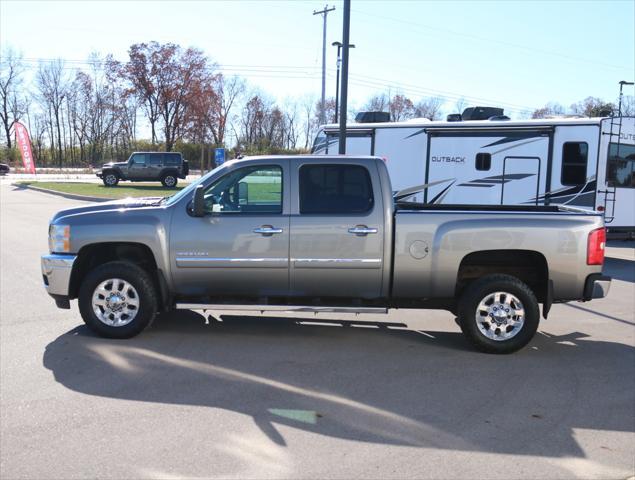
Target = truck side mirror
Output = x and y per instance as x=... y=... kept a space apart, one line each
x=198 y=205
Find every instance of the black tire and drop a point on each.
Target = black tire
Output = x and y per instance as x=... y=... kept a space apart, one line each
x=169 y=180
x=135 y=276
x=478 y=291
x=110 y=179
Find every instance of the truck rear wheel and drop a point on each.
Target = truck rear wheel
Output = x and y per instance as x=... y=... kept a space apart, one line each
x=110 y=179
x=498 y=314
x=118 y=300
x=169 y=180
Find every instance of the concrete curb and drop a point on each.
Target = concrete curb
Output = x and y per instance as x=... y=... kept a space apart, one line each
x=72 y=196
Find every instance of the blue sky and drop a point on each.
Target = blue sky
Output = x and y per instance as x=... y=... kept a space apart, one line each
x=517 y=54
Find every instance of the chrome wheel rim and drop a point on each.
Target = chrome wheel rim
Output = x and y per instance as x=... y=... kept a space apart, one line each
x=111 y=179
x=500 y=316
x=169 y=181
x=115 y=302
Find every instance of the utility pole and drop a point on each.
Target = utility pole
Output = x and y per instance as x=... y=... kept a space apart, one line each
x=346 y=33
x=324 y=14
x=337 y=78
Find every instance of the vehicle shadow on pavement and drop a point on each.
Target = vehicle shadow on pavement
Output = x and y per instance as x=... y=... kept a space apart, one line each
x=381 y=385
x=620 y=269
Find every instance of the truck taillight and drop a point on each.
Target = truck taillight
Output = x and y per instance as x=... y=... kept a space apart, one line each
x=595 y=247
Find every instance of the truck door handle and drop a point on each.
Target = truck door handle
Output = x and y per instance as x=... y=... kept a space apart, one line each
x=267 y=230
x=361 y=230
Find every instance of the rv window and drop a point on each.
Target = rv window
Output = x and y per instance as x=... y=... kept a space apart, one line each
x=574 y=160
x=620 y=169
x=344 y=189
x=483 y=161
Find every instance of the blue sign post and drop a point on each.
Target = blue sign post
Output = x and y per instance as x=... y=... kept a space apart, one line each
x=219 y=156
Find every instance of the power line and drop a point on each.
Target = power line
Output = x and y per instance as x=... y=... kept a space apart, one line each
x=299 y=72
x=492 y=40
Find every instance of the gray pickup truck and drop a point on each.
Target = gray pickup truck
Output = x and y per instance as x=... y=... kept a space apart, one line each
x=321 y=234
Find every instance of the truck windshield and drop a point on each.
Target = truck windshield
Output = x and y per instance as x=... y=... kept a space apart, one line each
x=188 y=191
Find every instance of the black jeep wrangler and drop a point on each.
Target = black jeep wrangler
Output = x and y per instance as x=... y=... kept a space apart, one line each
x=167 y=167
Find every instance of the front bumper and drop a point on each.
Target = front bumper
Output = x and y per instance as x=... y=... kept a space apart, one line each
x=56 y=274
x=596 y=286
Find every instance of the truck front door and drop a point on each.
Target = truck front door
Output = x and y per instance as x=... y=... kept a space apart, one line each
x=337 y=231
x=241 y=246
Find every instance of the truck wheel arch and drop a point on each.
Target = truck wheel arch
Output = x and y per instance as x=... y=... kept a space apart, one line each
x=93 y=255
x=529 y=266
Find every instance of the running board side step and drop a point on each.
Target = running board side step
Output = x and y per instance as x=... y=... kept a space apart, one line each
x=279 y=308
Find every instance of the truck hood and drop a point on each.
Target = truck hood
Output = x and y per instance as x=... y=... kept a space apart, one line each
x=114 y=164
x=123 y=204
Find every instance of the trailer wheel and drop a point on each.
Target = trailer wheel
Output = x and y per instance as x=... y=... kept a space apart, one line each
x=498 y=314
x=118 y=300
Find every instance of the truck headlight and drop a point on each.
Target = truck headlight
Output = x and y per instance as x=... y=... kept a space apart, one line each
x=59 y=238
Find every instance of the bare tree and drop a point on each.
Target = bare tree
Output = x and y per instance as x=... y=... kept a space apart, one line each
x=378 y=103
x=551 y=109
x=593 y=107
x=628 y=105
x=460 y=105
x=228 y=91
x=11 y=107
x=52 y=85
x=309 y=115
x=429 y=108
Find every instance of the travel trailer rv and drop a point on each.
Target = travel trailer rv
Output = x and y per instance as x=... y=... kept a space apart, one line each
x=581 y=162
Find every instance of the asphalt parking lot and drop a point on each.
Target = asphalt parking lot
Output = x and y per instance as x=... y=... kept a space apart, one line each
x=272 y=397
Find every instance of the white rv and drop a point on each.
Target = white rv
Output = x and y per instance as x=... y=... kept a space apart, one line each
x=583 y=162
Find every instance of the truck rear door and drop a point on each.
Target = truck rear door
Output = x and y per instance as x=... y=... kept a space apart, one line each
x=337 y=230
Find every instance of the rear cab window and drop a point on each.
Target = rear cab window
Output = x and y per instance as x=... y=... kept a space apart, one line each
x=335 y=189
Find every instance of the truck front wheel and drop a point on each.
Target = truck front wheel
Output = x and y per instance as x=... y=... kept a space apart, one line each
x=110 y=179
x=118 y=300
x=498 y=314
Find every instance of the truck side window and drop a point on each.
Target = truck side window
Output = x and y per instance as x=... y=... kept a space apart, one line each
x=172 y=159
x=483 y=161
x=255 y=189
x=333 y=189
x=155 y=159
x=574 y=162
x=139 y=159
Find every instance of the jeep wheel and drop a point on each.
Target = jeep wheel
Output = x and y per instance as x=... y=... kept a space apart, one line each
x=110 y=179
x=169 y=180
x=118 y=300
x=498 y=314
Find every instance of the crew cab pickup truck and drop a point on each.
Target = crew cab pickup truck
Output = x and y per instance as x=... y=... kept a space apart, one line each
x=321 y=234
x=166 y=167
